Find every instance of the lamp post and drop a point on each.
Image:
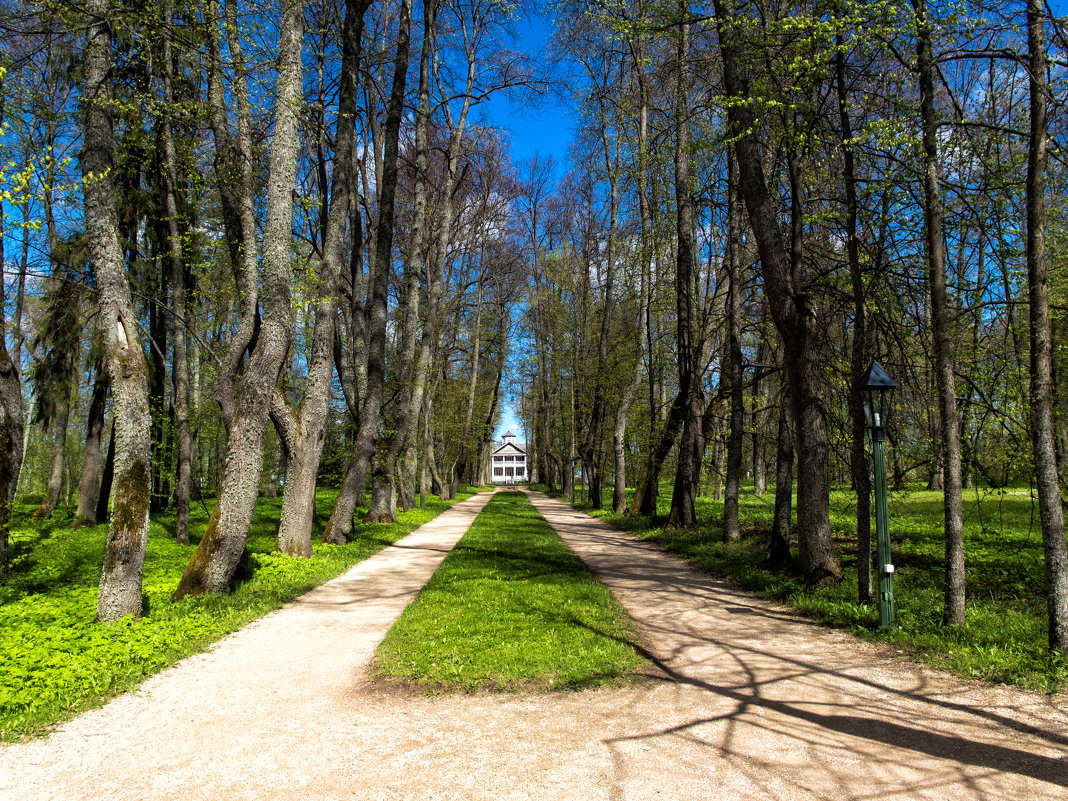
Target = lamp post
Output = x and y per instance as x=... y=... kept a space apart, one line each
x=877 y=389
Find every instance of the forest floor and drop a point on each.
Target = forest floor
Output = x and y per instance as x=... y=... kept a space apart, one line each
x=744 y=700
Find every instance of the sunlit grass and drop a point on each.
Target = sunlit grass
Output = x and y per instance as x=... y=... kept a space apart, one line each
x=510 y=608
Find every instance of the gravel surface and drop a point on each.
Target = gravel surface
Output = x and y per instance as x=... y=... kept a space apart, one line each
x=744 y=701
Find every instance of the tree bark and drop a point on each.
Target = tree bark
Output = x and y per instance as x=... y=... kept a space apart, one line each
x=646 y=492
x=954 y=591
x=106 y=479
x=235 y=183
x=779 y=544
x=89 y=485
x=793 y=314
x=376 y=352
x=124 y=555
x=180 y=378
x=1050 y=508
x=60 y=423
x=683 y=510
x=307 y=424
x=731 y=529
x=213 y=565
x=859 y=355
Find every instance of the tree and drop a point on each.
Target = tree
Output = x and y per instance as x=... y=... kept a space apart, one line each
x=120 y=582
x=215 y=562
x=1050 y=505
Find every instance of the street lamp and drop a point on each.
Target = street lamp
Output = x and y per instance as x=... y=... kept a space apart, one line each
x=877 y=390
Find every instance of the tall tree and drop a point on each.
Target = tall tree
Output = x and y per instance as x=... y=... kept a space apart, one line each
x=1050 y=503
x=791 y=309
x=213 y=565
x=952 y=508
x=124 y=555
x=304 y=429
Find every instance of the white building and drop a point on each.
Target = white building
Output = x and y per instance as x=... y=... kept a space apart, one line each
x=509 y=461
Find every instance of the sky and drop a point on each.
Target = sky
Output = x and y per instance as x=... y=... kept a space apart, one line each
x=544 y=128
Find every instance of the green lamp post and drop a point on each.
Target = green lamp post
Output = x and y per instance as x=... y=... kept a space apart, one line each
x=877 y=389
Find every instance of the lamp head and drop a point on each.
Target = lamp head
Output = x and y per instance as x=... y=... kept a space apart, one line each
x=877 y=389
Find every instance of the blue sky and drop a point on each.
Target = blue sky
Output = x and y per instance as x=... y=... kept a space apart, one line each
x=540 y=125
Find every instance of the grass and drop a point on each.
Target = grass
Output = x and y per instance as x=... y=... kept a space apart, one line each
x=510 y=608
x=56 y=662
x=1005 y=638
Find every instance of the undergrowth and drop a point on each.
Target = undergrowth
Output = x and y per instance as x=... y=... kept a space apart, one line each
x=55 y=661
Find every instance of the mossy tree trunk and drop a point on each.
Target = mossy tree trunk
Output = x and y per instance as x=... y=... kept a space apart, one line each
x=120 y=582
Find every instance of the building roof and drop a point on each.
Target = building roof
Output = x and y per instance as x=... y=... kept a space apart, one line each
x=507 y=434
x=514 y=445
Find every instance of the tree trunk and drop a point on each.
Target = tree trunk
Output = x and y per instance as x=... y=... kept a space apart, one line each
x=307 y=426
x=779 y=544
x=793 y=315
x=683 y=496
x=353 y=490
x=124 y=556
x=89 y=485
x=1050 y=508
x=619 y=492
x=180 y=401
x=213 y=565
x=859 y=355
x=954 y=593
x=60 y=420
x=235 y=183
x=731 y=529
x=460 y=472
x=106 y=479
x=647 y=490
x=376 y=353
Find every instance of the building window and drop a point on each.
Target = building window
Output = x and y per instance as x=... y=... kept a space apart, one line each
x=497 y=471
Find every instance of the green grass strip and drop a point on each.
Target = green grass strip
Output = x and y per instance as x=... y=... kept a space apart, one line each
x=510 y=608
x=56 y=662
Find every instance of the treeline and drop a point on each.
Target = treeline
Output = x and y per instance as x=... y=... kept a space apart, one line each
x=250 y=247
x=259 y=246
x=766 y=197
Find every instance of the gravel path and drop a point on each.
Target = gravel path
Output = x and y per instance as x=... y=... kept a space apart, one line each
x=744 y=701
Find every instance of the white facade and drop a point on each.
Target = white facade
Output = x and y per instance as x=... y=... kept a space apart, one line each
x=509 y=462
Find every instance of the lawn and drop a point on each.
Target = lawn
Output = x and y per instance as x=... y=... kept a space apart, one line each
x=55 y=661
x=1005 y=637
x=510 y=608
